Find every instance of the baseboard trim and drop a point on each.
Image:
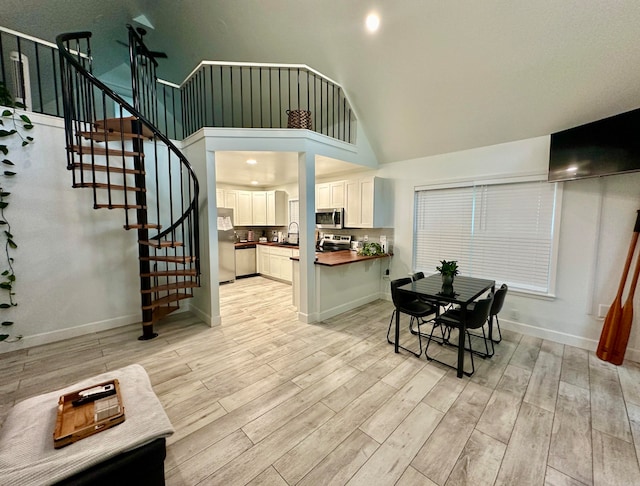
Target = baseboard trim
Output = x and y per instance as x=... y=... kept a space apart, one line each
x=204 y=317
x=347 y=306
x=562 y=337
x=69 y=333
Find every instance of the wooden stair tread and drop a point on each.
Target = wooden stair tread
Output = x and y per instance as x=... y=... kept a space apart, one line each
x=102 y=185
x=110 y=135
x=160 y=312
x=171 y=259
x=142 y=226
x=104 y=168
x=190 y=272
x=115 y=125
x=171 y=286
x=118 y=206
x=95 y=150
x=167 y=299
x=161 y=244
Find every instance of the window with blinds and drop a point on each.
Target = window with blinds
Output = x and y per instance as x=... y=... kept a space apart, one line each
x=294 y=211
x=504 y=232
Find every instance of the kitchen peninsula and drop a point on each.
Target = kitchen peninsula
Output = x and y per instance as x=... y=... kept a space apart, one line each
x=344 y=281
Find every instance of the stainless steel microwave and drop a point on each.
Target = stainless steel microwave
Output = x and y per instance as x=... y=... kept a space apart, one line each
x=330 y=218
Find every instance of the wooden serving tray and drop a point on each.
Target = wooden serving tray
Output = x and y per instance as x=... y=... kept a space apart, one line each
x=75 y=423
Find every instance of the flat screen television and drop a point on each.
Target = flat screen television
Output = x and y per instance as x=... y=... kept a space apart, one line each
x=604 y=147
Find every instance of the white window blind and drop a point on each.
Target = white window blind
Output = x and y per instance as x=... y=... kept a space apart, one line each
x=504 y=232
x=294 y=211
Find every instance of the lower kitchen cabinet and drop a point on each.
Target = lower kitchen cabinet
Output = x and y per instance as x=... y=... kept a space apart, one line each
x=275 y=261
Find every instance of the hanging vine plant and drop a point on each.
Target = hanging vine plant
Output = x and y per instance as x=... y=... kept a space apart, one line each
x=11 y=125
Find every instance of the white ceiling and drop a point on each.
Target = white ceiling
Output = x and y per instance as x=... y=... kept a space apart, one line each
x=439 y=76
x=272 y=168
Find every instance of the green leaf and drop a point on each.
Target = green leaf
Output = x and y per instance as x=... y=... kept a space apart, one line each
x=3 y=337
x=9 y=173
x=5 y=286
x=30 y=139
x=25 y=143
x=12 y=244
x=20 y=105
x=3 y=222
x=7 y=113
x=11 y=278
x=3 y=205
x=7 y=133
x=9 y=235
x=4 y=149
x=25 y=119
x=5 y=194
x=27 y=127
x=6 y=272
x=7 y=323
x=7 y=162
x=5 y=306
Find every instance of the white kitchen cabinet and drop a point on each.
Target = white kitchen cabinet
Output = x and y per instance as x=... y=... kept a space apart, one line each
x=255 y=208
x=231 y=201
x=274 y=261
x=244 y=216
x=262 y=259
x=259 y=201
x=330 y=195
x=276 y=208
x=367 y=204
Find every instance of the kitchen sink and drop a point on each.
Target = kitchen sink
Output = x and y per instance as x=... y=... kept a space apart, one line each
x=289 y=244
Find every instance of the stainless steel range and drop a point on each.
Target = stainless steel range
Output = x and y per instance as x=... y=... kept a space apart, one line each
x=334 y=243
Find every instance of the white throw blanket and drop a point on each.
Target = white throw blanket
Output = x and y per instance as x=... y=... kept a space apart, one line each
x=27 y=456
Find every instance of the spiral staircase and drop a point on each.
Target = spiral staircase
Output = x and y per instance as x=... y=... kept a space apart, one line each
x=115 y=150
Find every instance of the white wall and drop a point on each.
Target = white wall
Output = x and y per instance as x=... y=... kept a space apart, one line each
x=596 y=225
x=76 y=267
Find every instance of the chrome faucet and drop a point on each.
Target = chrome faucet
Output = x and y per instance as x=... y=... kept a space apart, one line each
x=297 y=226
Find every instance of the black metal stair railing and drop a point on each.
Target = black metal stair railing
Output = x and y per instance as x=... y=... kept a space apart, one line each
x=116 y=150
x=214 y=94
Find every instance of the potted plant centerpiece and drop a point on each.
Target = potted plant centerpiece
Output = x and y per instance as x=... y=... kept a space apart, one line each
x=448 y=270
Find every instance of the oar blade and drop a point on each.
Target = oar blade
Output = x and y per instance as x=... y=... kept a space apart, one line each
x=622 y=336
x=609 y=330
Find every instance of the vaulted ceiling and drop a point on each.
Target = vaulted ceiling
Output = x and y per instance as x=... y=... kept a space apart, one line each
x=438 y=76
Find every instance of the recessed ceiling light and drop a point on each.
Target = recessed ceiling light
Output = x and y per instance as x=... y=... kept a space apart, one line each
x=255 y=183
x=372 y=22
x=252 y=161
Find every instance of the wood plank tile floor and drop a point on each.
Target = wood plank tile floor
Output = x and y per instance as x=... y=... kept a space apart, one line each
x=266 y=400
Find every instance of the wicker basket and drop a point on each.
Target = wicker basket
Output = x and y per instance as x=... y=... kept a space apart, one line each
x=299 y=119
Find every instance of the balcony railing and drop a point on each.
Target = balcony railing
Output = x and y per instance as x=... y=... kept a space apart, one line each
x=249 y=95
x=215 y=94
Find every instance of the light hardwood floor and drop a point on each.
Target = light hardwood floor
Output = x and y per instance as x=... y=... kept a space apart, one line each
x=265 y=400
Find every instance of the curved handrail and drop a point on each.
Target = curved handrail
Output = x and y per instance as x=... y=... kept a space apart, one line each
x=61 y=39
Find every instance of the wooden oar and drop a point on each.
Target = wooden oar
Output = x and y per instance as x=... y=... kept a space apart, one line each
x=626 y=319
x=612 y=320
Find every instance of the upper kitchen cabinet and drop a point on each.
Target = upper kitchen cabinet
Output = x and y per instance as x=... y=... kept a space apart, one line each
x=259 y=199
x=367 y=203
x=330 y=195
x=277 y=208
x=256 y=208
x=244 y=213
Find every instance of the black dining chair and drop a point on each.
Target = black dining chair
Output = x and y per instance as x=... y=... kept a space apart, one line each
x=498 y=302
x=452 y=319
x=410 y=305
x=496 y=307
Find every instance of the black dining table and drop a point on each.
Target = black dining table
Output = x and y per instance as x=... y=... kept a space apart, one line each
x=463 y=292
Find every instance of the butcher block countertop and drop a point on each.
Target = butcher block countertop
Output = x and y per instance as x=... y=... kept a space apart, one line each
x=335 y=258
